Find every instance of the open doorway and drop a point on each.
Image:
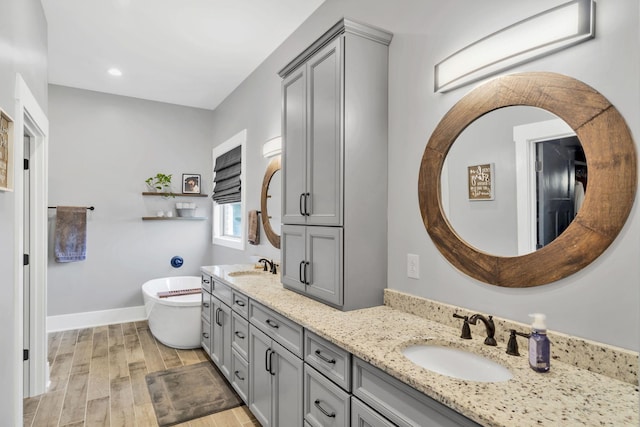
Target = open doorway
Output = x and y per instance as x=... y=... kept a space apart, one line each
x=561 y=181
x=533 y=140
x=31 y=142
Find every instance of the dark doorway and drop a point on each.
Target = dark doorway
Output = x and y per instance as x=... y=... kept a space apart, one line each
x=561 y=175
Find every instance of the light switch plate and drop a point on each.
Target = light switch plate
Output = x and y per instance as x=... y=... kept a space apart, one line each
x=413 y=266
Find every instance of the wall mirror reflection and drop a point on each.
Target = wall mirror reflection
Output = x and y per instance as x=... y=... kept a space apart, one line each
x=270 y=201
x=538 y=180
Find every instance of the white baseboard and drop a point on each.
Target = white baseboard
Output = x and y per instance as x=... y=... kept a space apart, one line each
x=65 y=322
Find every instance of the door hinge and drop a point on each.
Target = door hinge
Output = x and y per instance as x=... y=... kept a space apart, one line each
x=26 y=164
x=25 y=354
x=25 y=259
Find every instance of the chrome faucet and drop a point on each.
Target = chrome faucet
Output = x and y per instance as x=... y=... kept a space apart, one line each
x=271 y=264
x=489 y=325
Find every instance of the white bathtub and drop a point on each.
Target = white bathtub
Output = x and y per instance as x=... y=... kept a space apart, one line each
x=174 y=321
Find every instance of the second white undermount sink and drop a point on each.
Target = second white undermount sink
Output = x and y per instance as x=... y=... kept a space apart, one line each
x=456 y=363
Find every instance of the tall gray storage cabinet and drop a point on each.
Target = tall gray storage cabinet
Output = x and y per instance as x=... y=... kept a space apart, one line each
x=334 y=167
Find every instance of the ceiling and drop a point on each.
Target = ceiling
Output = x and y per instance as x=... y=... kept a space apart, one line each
x=186 y=52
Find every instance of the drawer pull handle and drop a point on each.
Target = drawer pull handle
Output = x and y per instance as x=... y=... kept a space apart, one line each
x=205 y=304
x=300 y=204
x=239 y=334
x=240 y=303
x=319 y=354
x=206 y=281
x=324 y=411
x=205 y=335
x=237 y=374
x=272 y=324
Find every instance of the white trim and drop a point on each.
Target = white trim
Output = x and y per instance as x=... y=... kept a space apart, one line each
x=525 y=137
x=239 y=139
x=28 y=113
x=90 y=319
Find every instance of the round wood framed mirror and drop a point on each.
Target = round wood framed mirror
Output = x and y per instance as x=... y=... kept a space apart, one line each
x=611 y=159
x=273 y=167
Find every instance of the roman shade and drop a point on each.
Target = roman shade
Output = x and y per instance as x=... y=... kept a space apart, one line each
x=227 y=177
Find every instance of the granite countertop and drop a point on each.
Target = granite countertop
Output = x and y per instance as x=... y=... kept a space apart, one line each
x=566 y=395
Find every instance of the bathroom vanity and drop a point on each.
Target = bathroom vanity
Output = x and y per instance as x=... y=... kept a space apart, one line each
x=294 y=360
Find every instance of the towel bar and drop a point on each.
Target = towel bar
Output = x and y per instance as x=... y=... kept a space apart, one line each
x=90 y=208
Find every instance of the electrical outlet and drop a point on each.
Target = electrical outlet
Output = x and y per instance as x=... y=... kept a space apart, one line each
x=413 y=266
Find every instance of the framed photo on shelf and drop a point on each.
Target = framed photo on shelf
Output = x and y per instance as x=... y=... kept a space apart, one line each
x=190 y=183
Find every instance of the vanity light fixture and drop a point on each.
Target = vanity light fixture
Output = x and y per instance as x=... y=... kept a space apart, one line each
x=542 y=34
x=114 y=72
x=272 y=147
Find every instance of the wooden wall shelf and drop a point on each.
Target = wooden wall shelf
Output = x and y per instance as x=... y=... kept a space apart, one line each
x=150 y=193
x=173 y=218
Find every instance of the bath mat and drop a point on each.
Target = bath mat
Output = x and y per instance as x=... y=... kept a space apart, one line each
x=182 y=394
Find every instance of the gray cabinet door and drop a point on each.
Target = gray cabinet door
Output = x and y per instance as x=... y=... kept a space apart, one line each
x=324 y=122
x=294 y=153
x=221 y=336
x=275 y=382
x=312 y=261
x=292 y=242
x=287 y=387
x=324 y=271
x=259 y=377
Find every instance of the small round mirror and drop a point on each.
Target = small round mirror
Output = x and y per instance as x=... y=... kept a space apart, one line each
x=270 y=202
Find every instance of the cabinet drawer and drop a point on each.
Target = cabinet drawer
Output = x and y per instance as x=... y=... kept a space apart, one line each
x=325 y=404
x=240 y=335
x=330 y=360
x=401 y=404
x=240 y=375
x=284 y=331
x=206 y=306
x=221 y=291
x=206 y=282
x=205 y=338
x=240 y=304
x=364 y=416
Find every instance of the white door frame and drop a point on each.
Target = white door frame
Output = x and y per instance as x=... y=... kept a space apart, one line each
x=525 y=137
x=29 y=115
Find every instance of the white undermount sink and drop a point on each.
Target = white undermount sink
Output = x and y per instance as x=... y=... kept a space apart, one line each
x=456 y=363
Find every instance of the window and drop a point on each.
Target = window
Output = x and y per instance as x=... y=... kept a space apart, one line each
x=228 y=196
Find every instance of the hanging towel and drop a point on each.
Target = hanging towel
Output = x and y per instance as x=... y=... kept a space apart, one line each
x=70 y=237
x=254 y=228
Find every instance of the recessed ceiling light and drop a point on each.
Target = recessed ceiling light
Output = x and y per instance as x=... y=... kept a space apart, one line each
x=115 y=72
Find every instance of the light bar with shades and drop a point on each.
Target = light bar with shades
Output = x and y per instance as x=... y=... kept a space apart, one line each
x=547 y=32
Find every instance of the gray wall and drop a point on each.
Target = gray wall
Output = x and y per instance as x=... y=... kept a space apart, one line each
x=23 y=49
x=102 y=148
x=602 y=301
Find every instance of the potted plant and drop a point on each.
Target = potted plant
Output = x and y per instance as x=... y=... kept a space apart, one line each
x=160 y=183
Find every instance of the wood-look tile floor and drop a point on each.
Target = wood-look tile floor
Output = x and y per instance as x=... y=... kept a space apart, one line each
x=98 y=379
